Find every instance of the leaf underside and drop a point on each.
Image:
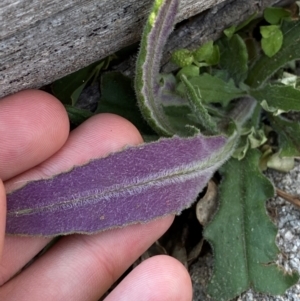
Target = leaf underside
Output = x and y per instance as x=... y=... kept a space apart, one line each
x=285 y=98
x=135 y=185
x=288 y=135
x=242 y=235
x=148 y=90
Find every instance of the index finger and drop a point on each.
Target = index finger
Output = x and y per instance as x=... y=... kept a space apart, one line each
x=33 y=126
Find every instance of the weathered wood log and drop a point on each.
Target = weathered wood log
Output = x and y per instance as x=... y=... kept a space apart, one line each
x=41 y=41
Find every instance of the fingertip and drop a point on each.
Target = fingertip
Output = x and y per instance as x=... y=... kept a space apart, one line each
x=33 y=126
x=95 y=138
x=158 y=278
x=112 y=129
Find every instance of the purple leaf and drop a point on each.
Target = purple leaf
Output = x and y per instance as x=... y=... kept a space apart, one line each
x=135 y=185
x=151 y=95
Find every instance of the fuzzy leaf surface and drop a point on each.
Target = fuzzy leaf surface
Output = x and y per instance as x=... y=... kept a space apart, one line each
x=135 y=185
x=214 y=89
x=150 y=93
x=288 y=135
x=201 y=113
x=237 y=68
x=243 y=236
x=279 y=97
x=265 y=66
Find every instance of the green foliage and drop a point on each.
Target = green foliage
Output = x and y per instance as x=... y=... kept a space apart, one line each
x=238 y=68
x=182 y=57
x=272 y=36
x=278 y=97
x=76 y=115
x=69 y=88
x=245 y=249
x=214 y=58
x=233 y=29
x=195 y=100
x=272 y=39
x=265 y=67
x=274 y=15
x=213 y=89
x=250 y=138
x=204 y=52
x=188 y=71
x=242 y=235
x=118 y=97
x=288 y=134
x=206 y=55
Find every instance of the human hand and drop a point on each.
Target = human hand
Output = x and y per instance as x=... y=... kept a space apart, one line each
x=35 y=143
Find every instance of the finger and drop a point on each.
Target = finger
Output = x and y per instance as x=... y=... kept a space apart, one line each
x=97 y=137
x=2 y=216
x=82 y=267
x=33 y=126
x=158 y=278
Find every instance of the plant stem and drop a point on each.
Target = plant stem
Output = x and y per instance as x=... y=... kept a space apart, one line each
x=288 y=197
x=243 y=110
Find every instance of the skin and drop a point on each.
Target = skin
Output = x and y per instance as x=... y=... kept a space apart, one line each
x=36 y=143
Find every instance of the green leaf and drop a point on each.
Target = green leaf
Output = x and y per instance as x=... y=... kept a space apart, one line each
x=233 y=29
x=229 y=32
x=242 y=235
x=237 y=67
x=253 y=49
x=181 y=116
x=290 y=79
x=278 y=97
x=272 y=39
x=68 y=88
x=214 y=89
x=283 y=164
x=241 y=151
x=208 y=53
x=215 y=57
x=265 y=66
x=188 y=71
x=275 y=111
x=76 y=115
x=118 y=97
x=288 y=135
x=251 y=138
x=198 y=109
x=246 y=22
x=204 y=52
x=274 y=15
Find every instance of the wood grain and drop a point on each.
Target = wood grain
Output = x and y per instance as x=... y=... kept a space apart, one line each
x=41 y=41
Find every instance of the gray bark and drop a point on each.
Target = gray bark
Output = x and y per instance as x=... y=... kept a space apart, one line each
x=41 y=41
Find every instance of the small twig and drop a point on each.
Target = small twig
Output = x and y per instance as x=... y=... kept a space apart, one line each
x=288 y=197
